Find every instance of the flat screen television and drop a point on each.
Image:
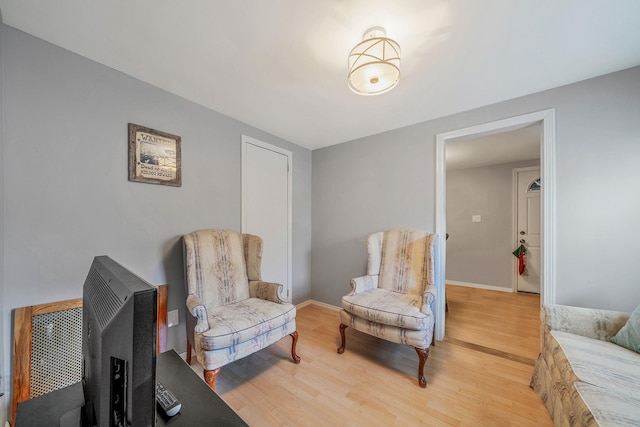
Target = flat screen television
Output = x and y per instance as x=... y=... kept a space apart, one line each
x=119 y=347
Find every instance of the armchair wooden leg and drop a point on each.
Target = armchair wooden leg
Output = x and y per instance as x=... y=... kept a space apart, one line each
x=294 y=356
x=188 y=358
x=423 y=354
x=210 y=377
x=342 y=347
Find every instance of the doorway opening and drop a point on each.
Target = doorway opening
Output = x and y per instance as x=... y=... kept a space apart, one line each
x=481 y=208
x=546 y=120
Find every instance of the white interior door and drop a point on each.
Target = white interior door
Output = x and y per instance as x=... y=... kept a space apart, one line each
x=528 y=227
x=266 y=207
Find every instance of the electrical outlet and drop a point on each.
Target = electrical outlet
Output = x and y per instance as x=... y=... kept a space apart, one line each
x=476 y=218
x=172 y=318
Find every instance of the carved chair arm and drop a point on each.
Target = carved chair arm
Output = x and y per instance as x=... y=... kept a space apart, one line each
x=269 y=291
x=363 y=283
x=199 y=311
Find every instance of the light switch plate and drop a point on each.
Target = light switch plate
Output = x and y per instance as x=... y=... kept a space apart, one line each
x=476 y=218
x=172 y=318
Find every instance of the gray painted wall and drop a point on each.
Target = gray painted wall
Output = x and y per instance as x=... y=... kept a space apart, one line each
x=480 y=253
x=4 y=373
x=388 y=180
x=66 y=192
x=67 y=197
x=361 y=187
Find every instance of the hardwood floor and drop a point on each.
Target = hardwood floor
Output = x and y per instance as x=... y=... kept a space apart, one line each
x=505 y=322
x=478 y=376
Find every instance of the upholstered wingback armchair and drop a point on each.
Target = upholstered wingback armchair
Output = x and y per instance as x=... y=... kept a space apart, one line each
x=231 y=312
x=393 y=301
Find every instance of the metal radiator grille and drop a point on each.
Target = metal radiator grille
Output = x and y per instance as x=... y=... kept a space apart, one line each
x=56 y=353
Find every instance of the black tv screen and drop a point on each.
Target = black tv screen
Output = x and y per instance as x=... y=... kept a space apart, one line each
x=119 y=347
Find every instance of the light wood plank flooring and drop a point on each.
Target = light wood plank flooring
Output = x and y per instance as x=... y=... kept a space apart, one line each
x=506 y=323
x=478 y=376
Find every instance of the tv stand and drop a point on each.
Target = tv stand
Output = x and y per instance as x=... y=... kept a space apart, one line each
x=200 y=405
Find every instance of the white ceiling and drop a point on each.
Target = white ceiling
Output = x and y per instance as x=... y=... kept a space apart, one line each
x=504 y=147
x=280 y=65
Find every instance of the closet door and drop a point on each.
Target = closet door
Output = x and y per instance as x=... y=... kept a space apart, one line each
x=266 y=207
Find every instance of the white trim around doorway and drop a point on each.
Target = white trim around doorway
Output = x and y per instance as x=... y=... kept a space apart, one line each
x=548 y=171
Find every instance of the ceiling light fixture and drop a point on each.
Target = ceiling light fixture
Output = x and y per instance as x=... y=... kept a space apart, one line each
x=374 y=63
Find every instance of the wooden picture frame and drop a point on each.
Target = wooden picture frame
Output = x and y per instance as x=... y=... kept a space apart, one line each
x=154 y=156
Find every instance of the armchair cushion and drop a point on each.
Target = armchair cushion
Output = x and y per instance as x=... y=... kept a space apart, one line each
x=388 y=308
x=215 y=267
x=406 y=264
x=414 y=338
x=236 y=323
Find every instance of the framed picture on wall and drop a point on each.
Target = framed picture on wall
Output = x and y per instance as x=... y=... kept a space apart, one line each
x=154 y=156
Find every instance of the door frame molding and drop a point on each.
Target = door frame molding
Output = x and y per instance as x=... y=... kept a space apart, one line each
x=514 y=201
x=246 y=140
x=547 y=119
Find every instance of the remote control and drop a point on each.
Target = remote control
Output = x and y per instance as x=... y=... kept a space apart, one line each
x=167 y=401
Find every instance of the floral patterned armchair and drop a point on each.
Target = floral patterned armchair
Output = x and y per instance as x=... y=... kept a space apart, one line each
x=231 y=312
x=394 y=300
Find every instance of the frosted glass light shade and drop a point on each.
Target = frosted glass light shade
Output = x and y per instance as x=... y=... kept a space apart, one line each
x=374 y=64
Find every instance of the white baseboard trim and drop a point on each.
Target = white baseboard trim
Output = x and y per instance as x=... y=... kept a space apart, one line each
x=318 y=303
x=479 y=285
x=304 y=304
